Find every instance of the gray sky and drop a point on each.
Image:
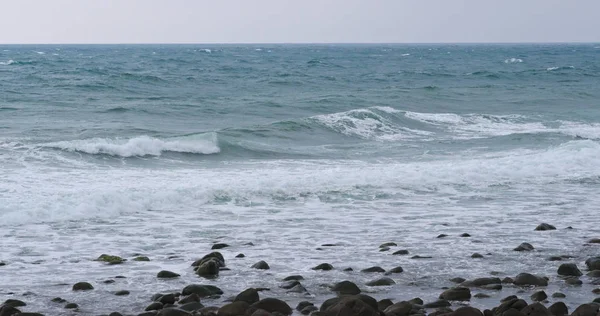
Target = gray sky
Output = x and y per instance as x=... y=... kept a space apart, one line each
x=298 y=21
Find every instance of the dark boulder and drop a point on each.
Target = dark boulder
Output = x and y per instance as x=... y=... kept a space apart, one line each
x=350 y=306
x=192 y=298
x=395 y=270
x=401 y=252
x=261 y=265
x=323 y=266
x=593 y=263
x=385 y=281
x=524 y=247
x=527 y=279
x=569 y=269
x=233 y=309
x=201 y=290
x=544 y=226
x=171 y=311
x=558 y=309
x=456 y=294
x=346 y=288
x=539 y=296
x=373 y=269
x=467 y=311
x=249 y=296
x=164 y=274
x=219 y=246
x=271 y=305
x=82 y=286
x=586 y=310
x=438 y=304
x=215 y=255
x=482 y=282
x=535 y=309
x=208 y=269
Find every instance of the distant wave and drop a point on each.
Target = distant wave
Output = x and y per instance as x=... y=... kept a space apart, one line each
x=559 y=68
x=9 y=62
x=139 y=146
x=513 y=60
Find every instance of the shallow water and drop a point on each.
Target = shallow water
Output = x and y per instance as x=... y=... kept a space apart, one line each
x=164 y=150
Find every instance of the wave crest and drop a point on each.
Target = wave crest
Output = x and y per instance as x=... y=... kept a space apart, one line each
x=513 y=60
x=140 y=146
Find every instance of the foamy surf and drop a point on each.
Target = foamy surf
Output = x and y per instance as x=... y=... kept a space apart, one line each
x=513 y=60
x=138 y=146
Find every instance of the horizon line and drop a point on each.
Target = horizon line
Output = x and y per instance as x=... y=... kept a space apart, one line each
x=304 y=43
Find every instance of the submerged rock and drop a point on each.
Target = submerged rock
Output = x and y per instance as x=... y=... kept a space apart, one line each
x=110 y=259
x=219 y=246
x=401 y=252
x=381 y=282
x=373 y=269
x=524 y=247
x=164 y=274
x=544 y=226
x=141 y=258
x=261 y=265
x=208 y=269
x=323 y=266
x=82 y=286
x=201 y=290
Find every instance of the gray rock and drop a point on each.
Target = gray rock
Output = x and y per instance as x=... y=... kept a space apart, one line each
x=593 y=263
x=594 y=241
x=164 y=274
x=346 y=288
x=465 y=235
x=323 y=267
x=539 y=296
x=573 y=281
x=456 y=294
x=586 y=310
x=544 y=226
x=481 y=295
x=527 y=279
x=383 y=304
x=373 y=269
x=82 y=286
x=569 y=269
x=385 y=281
x=350 y=306
x=303 y=305
x=594 y=274
x=395 y=270
x=240 y=255
x=261 y=265
x=524 y=247
x=249 y=296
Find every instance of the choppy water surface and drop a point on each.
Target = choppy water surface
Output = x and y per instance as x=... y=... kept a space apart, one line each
x=163 y=150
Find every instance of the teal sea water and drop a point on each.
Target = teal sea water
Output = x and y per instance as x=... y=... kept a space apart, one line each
x=164 y=149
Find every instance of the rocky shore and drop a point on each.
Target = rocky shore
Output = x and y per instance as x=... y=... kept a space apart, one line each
x=523 y=294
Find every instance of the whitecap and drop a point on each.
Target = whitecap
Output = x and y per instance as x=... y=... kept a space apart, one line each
x=9 y=62
x=139 y=146
x=513 y=60
x=41 y=53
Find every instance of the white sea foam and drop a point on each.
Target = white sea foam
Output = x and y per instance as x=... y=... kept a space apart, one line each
x=368 y=124
x=405 y=54
x=41 y=53
x=138 y=146
x=206 y=50
x=513 y=60
x=9 y=62
x=558 y=68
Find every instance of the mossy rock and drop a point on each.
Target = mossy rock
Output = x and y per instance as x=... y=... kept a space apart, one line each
x=110 y=259
x=141 y=258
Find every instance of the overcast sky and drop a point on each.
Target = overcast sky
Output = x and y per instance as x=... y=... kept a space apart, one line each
x=298 y=21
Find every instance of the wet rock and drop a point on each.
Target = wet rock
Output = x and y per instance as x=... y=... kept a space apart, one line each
x=515 y=303
x=208 y=269
x=215 y=256
x=14 y=303
x=71 y=306
x=555 y=258
x=458 y=280
x=262 y=265
x=298 y=288
x=58 y=300
x=303 y=305
x=348 y=269
x=261 y=312
x=513 y=312
x=323 y=267
x=509 y=298
x=482 y=282
x=381 y=282
x=476 y=256
x=373 y=269
x=115 y=314
x=172 y=311
x=442 y=236
x=569 y=269
x=421 y=257
x=149 y=313
x=492 y=287
x=437 y=304
x=400 y=309
x=240 y=255
x=388 y=244
x=395 y=270
x=524 y=247
x=441 y=311
x=110 y=259
x=350 y=306
x=346 y=288
x=539 y=296
x=596 y=291
x=465 y=235
x=481 y=295
x=249 y=296
x=573 y=281
x=164 y=274
x=467 y=311
x=558 y=295
x=293 y=277
x=593 y=263
x=586 y=310
x=507 y=280
x=559 y=309
x=401 y=252
x=271 y=305
x=141 y=258
x=594 y=274
x=308 y=310
x=122 y=293
x=289 y=284
x=383 y=304
x=544 y=226
x=108 y=281
x=384 y=249
x=527 y=279
x=154 y=306
x=219 y=246
x=191 y=306
x=166 y=299
x=201 y=290
x=192 y=298
x=82 y=286
x=456 y=294
x=594 y=241
x=7 y=310
x=2 y=263
x=233 y=309
x=535 y=309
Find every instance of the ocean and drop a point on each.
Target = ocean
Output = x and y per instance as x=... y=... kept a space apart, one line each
x=162 y=150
